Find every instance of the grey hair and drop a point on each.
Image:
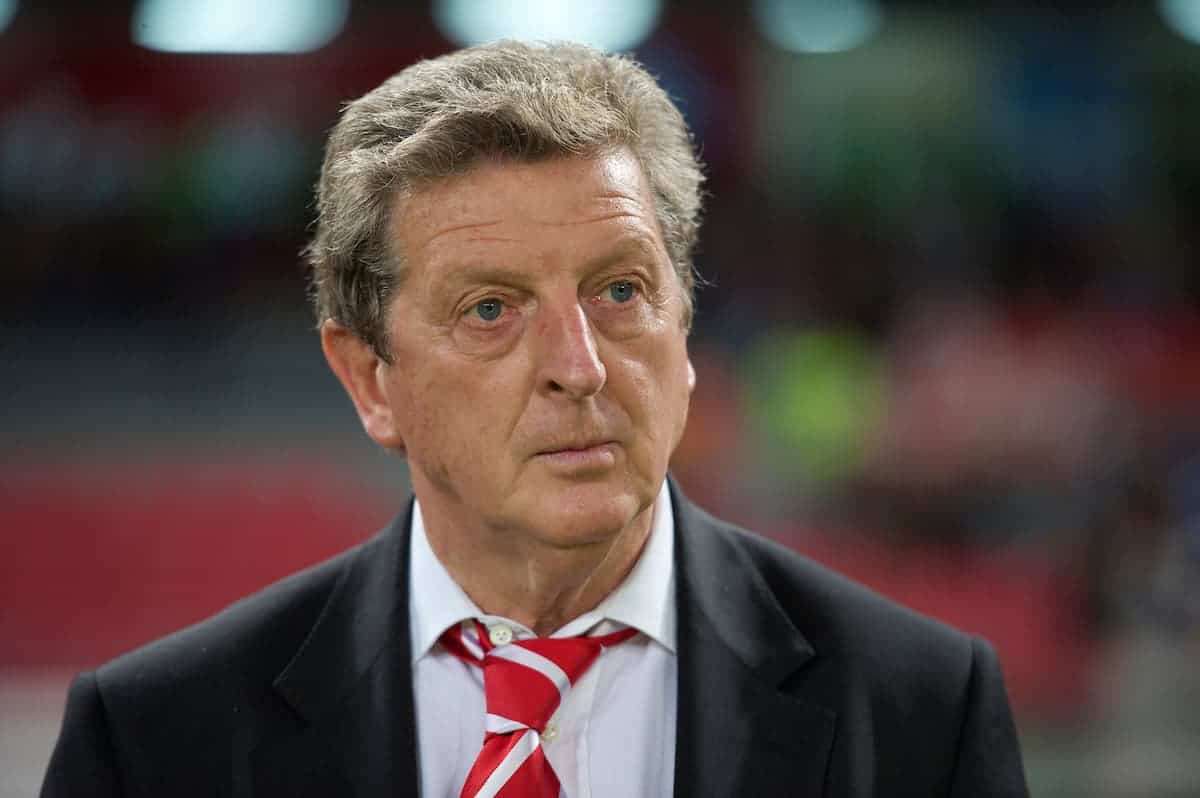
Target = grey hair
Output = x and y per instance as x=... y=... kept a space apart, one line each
x=438 y=117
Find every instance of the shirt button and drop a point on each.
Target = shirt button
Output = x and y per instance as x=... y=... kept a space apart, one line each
x=500 y=635
x=550 y=733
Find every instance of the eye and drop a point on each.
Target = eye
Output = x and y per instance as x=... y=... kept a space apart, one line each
x=622 y=291
x=489 y=309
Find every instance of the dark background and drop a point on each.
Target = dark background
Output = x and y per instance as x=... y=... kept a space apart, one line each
x=950 y=344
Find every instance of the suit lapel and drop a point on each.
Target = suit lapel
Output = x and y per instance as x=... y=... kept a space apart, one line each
x=350 y=685
x=739 y=731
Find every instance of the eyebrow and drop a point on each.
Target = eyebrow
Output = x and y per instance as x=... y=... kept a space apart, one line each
x=470 y=272
x=477 y=271
x=639 y=247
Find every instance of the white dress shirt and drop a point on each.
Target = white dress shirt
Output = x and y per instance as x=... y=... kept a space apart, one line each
x=614 y=734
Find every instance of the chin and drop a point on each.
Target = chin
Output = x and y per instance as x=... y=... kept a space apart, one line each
x=587 y=513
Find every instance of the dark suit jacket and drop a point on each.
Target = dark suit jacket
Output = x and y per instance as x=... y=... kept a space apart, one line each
x=792 y=682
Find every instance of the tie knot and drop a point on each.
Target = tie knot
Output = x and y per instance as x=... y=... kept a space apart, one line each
x=525 y=681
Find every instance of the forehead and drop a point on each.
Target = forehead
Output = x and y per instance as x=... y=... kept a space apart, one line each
x=507 y=210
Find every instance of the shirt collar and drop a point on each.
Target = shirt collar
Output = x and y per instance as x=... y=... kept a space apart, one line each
x=644 y=600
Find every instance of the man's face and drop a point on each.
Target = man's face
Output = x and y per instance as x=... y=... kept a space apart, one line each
x=540 y=377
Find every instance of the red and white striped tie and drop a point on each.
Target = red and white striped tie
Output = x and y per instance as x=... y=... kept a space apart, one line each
x=523 y=682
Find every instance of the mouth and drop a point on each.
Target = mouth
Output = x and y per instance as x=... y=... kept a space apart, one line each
x=576 y=446
x=583 y=455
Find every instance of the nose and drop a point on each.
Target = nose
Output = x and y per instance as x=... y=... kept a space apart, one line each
x=570 y=363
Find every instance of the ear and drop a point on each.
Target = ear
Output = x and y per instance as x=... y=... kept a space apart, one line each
x=691 y=376
x=364 y=376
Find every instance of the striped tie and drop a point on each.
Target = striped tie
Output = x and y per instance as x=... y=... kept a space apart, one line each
x=523 y=682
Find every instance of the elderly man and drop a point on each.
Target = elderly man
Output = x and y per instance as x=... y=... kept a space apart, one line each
x=502 y=274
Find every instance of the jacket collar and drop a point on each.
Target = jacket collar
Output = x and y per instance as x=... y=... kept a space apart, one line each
x=357 y=626
x=348 y=684
x=743 y=727
x=720 y=582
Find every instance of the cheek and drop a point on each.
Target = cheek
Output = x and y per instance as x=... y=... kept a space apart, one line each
x=658 y=389
x=432 y=400
x=467 y=409
x=678 y=392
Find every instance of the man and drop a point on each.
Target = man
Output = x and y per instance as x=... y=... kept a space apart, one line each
x=502 y=274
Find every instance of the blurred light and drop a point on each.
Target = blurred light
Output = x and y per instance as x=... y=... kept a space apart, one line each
x=612 y=25
x=816 y=397
x=817 y=26
x=1183 y=17
x=8 y=10
x=238 y=26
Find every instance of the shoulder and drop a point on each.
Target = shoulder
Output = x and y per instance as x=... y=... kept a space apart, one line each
x=183 y=709
x=912 y=694
x=250 y=641
x=833 y=609
x=851 y=628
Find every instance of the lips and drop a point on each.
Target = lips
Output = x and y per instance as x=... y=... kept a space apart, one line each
x=594 y=456
x=576 y=446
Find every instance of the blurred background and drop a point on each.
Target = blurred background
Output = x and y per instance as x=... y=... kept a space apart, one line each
x=950 y=342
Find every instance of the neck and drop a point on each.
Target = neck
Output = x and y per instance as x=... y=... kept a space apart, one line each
x=533 y=582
